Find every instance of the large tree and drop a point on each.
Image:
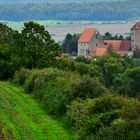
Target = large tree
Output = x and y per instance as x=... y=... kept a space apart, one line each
x=37 y=48
x=31 y=48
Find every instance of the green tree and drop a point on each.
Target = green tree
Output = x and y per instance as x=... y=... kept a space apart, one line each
x=127 y=83
x=107 y=36
x=38 y=49
x=70 y=44
x=32 y=48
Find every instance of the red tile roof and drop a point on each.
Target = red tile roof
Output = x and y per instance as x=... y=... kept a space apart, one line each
x=100 y=51
x=121 y=47
x=118 y=45
x=87 y=35
x=136 y=26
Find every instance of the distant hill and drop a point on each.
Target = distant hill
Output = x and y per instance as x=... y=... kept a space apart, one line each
x=53 y=1
x=124 y=10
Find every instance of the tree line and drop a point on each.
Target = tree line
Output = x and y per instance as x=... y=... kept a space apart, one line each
x=124 y=10
x=96 y=98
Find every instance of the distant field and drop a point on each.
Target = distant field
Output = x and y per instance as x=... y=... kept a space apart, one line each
x=58 y=28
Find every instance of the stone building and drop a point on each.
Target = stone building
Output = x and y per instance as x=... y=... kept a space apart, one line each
x=135 y=36
x=89 y=41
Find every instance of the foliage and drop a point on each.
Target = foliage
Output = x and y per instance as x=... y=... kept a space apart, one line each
x=32 y=48
x=21 y=76
x=132 y=112
x=38 y=49
x=89 y=88
x=55 y=85
x=83 y=59
x=70 y=44
x=81 y=68
x=29 y=82
x=109 y=36
x=127 y=83
x=124 y=131
x=77 y=92
x=101 y=107
x=66 y=63
x=111 y=65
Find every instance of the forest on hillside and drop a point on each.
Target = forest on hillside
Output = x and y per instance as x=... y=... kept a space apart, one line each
x=73 y=11
x=55 y=1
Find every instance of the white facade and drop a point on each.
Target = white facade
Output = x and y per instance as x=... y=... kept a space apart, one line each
x=88 y=48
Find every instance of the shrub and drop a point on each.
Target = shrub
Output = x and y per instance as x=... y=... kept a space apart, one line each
x=81 y=68
x=124 y=131
x=83 y=59
x=89 y=116
x=44 y=78
x=78 y=111
x=127 y=83
x=29 y=82
x=132 y=112
x=89 y=88
x=21 y=76
x=54 y=88
x=66 y=63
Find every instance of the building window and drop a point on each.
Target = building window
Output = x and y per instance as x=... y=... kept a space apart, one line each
x=96 y=45
x=96 y=36
x=105 y=43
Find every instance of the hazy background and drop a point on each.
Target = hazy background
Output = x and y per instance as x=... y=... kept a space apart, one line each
x=72 y=16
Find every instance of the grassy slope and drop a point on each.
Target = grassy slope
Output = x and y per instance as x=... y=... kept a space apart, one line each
x=22 y=118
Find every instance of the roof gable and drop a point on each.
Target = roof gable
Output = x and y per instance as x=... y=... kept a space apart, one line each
x=136 y=26
x=87 y=35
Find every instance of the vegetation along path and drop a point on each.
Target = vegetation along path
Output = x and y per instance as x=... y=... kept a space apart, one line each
x=21 y=117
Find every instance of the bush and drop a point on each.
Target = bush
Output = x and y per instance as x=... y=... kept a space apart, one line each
x=89 y=88
x=78 y=111
x=6 y=70
x=132 y=112
x=44 y=78
x=66 y=63
x=54 y=88
x=127 y=83
x=89 y=116
x=83 y=59
x=29 y=82
x=82 y=68
x=21 y=76
x=124 y=131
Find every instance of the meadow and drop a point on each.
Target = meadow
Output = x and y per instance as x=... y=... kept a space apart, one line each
x=21 y=117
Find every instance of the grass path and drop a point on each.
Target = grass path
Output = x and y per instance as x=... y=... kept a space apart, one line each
x=21 y=117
